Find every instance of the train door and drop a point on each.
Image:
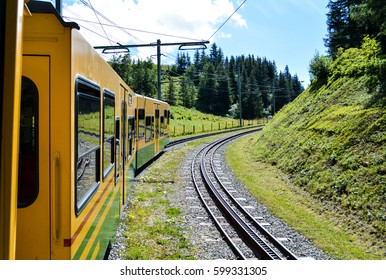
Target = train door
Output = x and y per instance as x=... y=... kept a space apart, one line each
x=157 y=130
x=33 y=239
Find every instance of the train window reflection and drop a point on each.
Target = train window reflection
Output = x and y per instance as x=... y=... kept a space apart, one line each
x=28 y=186
x=149 y=128
x=131 y=134
x=88 y=135
x=108 y=132
x=141 y=123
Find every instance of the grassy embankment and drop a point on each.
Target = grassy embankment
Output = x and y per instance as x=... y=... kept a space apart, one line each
x=190 y=121
x=320 y=164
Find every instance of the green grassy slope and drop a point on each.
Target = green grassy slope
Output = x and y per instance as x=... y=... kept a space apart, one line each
x=333 y=144
x=195 y=121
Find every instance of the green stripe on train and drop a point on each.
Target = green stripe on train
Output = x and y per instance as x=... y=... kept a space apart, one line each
x=144 y=155
x=107 y=230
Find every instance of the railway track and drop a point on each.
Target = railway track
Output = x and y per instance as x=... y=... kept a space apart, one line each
x=246 y=237
x=200 y=136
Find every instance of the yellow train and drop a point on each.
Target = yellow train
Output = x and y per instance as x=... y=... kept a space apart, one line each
x=73 y=135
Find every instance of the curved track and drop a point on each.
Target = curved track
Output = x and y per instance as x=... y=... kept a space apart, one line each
x=247 y=238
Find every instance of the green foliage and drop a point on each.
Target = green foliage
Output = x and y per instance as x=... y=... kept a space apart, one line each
x=356 y=62
x=349 y=21
x=141 y=76
x=328 y=227
x=332 y=140
x=364 y=62
x=319 y=67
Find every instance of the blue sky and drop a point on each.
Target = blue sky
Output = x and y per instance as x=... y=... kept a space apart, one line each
x=288 y=32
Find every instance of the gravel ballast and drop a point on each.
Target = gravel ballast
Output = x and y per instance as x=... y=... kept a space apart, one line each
x=201 y=231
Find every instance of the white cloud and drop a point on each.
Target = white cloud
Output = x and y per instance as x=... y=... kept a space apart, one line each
x=223 y=35
x=188 y=19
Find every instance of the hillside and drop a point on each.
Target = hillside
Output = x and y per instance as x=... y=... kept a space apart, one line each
x=185 y=121
x=332 y=139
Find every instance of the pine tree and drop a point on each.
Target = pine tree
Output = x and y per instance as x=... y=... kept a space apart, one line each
x=370 y=16
x=171 y=95
x=343 y=31
x=232 y=81
x=207 y=92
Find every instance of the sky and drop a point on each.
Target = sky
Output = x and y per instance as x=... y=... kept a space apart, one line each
x=288 y=32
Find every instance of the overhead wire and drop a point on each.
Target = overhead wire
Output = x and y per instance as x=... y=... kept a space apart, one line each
x=96 y=15
x=124 y=29
x=137 y=30
x=107 y=19
x=218 y=29
x=90 y=28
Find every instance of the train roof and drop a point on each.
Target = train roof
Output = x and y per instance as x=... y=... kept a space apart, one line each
x=153 y=99
x=47 y=8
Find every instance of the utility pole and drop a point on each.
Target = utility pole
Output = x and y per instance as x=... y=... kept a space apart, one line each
x=239 y=89
x=183 y=46
x=58 y=4
x=159 y=69
x=273 y=96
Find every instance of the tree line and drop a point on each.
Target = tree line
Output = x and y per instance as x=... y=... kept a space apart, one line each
x=349 y=21
x=356 y=33
x=211 y=82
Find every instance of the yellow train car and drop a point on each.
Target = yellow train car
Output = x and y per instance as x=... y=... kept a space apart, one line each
x=73 y=136
x=11 y=24
x=72 y=157
x=152 y=128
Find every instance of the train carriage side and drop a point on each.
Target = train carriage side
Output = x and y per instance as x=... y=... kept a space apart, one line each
x=99 y=162
x=153 y=128
x=72 y=113
x=131 y=150
x=98 y=207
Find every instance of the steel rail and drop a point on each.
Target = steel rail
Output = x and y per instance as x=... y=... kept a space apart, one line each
x=196 y=137
x=228 y=239
x=261 y=249
x=285 y=251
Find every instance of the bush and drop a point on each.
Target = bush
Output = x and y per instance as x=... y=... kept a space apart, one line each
x=319 y=67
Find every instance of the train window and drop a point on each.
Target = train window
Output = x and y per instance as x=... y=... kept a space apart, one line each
x=28 y=187
x=131 y=134
x=141 y=122
x=87 y=141
x=130 y=100
x=162 y=121
x=117 y=148
x=108 y=132
x=149 y=129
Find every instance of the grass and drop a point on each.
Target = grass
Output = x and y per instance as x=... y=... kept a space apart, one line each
x=331 y=143
x=325 y=226
x=154 y=228
x=333 y=146
x=186 y=121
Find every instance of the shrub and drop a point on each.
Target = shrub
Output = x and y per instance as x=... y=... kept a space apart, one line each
x=319 y=66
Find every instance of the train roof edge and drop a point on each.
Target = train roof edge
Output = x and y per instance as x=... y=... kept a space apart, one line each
x=150 y=98
x=48 y=8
